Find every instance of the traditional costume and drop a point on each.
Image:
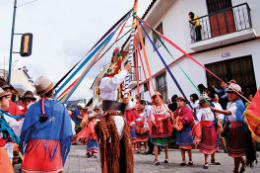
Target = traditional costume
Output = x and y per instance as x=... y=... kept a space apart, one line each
x=183 y=136
x=209 y=138
x=10 y=129
x=160 y=134
x=46 y=133
x=142 y=133
x=113 y=131
x=92 y=145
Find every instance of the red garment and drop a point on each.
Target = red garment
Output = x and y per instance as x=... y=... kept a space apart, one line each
x=165 y=127
x=185 y=114
x=24 y=110
x=14 y=109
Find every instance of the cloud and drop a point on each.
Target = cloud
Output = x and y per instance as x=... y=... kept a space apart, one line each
x=64 y=31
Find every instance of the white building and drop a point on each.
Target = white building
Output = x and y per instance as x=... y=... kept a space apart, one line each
x=229 y=45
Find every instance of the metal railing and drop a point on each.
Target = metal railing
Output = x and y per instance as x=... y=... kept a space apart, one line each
x=226 y=21
x=133 y=74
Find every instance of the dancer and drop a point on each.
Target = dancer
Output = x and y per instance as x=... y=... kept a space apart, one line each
x=77 y=117
x=161 y=126
x=113 y=131
x=238 y=141
x=46 y=133
x=184 y=138
x=10 y=130
x=92 y=145
x=209 y=138
x=142 y=133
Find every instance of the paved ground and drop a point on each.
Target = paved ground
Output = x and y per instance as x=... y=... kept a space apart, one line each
x=78 y=162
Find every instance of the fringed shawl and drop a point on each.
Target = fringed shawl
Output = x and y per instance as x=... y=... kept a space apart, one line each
x=185 y=113
x=56 y=128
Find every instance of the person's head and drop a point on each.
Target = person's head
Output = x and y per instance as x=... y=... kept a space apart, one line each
x=85 y=110
x=27 y=98
x=191 y=15
x=232 y=95
x=157 y=100
x=4 y=102
x=211 y=91
x=250 y=97
x=8 y=89
x=223 y=84
x=181 y=102
x=204 y=92
x=215 y=97
x=194 y=97
x=232 y=81
x=92 y=116
x=203 y=103
x=79 y=106
x=141 y=105
x=96 y=109
x=174 y=98
x=201 y=87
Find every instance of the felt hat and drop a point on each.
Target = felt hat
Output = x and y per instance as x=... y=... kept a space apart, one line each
x=96 y=108
x=234 y=86
x=206 y=97
x=43 y=85
x=3 y=93
x=115 y=65
x=158 y=94
x=4 y=86
x=28 y=95
x=181 y=98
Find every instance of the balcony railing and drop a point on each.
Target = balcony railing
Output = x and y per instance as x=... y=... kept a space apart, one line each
x=133 y=74
x=226 y=21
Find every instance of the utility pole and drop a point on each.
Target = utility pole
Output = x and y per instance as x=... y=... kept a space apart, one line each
x=11 y=46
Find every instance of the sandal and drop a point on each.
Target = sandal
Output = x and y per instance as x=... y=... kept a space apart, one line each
x=242 y=169
x=215 y=163
x=166 y=161
x=156 y=163
x=190 y=162
x=182 y=164
x=93 y=156
x=206 y=167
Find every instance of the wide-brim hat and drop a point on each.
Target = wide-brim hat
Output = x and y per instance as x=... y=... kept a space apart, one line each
x=206 y=97
x=28 y=95
x=43 y=85
x=234 y=86
x=4 y=86
x=181 y=98
x=158 y=94
x=3 y=93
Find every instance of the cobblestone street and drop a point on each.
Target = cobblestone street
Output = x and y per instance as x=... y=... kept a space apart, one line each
x=78 y=162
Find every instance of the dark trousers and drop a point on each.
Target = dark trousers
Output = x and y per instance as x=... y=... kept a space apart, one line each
x=198 y=33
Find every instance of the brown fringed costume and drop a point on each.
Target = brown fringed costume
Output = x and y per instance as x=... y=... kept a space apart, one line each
x=112 y=131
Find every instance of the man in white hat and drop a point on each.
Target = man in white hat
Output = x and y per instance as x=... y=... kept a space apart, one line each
x=46 y=133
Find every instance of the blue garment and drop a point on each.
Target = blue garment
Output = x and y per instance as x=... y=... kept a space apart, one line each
x=132 y=132
x=92 y=145
x=76 y=113
x=240 y=110
x=184 y=137
x=57 y=127
x=222 y=92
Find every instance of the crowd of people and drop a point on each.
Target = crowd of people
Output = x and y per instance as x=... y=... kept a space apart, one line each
x=39 y=134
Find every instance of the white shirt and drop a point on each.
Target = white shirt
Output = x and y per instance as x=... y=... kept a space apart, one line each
x=108 y=91
x=160 y=110
x=218 y=106
x=195 y=105
x=141 y=118
x=17 y=128
x=205 y=114
x=73 y=126
x=233 y=109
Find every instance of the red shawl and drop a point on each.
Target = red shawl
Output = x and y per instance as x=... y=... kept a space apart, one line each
x=185 y=114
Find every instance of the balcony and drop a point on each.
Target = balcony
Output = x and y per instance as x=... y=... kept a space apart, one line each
x=222 y=28
x=133 y=79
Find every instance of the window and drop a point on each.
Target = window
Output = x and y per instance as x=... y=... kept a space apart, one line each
x=155 y=40
x=218 y=5
x=240 y=69
x=161 y=85
x=146 y=87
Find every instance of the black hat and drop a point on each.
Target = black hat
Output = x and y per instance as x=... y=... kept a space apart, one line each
x=4 y=86
x=28 y=95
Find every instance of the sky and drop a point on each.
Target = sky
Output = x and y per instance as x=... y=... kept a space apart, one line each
x=63 y=32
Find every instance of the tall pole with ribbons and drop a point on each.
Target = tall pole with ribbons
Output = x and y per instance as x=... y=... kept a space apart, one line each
x=131 y=47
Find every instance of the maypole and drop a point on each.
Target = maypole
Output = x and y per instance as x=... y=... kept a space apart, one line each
x=131 y=47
